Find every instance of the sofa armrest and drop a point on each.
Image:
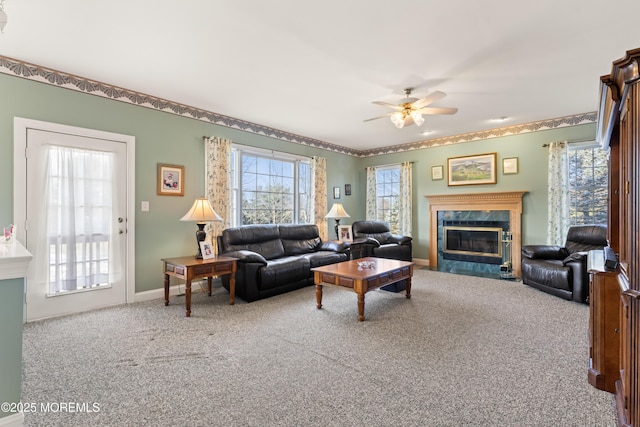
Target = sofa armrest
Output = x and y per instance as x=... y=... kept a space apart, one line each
x=246 y=256
x=335 y=246
x=401 y=240
x=579 y=257
x=371 y=241
x=544 y=252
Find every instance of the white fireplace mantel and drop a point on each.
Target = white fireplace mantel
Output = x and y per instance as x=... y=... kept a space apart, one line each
x=501 y=201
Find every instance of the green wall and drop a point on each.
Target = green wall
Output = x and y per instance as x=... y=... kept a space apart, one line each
x=532 y=177
x=167 y=138
x=11 y=298
x=160 y=138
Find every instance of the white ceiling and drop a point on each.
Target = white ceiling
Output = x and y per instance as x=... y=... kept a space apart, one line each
x=314 y=68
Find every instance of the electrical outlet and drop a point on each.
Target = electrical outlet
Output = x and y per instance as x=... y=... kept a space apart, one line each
x=144 y=206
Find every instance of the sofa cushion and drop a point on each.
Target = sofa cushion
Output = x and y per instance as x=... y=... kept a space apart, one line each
x=263 y=239
x=299 y=238
x=320 y=258
x=551 y=273
x=283 y=270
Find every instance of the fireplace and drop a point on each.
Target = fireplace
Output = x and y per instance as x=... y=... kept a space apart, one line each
x=476 y=210
x=476 y=242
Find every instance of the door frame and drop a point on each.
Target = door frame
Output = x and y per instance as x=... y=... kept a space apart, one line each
x=20 y=127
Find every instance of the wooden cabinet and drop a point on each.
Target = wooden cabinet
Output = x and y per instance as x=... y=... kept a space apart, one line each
x=619 y=131
x=604 y=324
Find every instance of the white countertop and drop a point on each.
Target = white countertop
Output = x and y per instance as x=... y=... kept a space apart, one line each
x=14 y=260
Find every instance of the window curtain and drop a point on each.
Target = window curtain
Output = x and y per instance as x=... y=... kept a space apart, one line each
x=371 y=213
x=319 y=195
x=80 y=202
x=217 y=155
x=404 y=220
x=558 y=200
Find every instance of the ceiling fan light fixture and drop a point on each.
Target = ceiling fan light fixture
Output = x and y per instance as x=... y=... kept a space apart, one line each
x=398 y=119
x=417 y=117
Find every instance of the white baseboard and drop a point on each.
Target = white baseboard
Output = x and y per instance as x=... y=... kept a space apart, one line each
x=421 y=262
x=15 y=420
x=196 y=286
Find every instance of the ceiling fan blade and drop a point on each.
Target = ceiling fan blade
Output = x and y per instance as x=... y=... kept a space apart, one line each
x=436 y=110
x=379 y=117
x=387 y=104
x=429 y=99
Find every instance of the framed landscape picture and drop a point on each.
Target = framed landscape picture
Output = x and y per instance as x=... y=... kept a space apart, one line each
x=471 y=170
x=170 y=180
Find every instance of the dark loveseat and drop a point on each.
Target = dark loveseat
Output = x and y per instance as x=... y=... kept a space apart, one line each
x=562 y=270
x=273 y=259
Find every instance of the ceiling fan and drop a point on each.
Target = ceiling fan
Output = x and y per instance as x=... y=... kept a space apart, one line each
x=410 y=110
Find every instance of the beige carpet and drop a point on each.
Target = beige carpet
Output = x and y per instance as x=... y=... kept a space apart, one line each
x=462 y=351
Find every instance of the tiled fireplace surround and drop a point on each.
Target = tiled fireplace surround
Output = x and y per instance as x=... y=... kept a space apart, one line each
x=503 y=206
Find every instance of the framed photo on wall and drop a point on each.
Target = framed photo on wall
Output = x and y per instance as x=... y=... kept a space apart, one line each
x=471 y=170
x=336 y=192
x=347 y=189
x=170 y=180
x=510 y=166
x=437 y=172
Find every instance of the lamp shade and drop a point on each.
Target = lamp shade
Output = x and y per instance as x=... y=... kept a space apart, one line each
x=201 y=211
x=337 y=211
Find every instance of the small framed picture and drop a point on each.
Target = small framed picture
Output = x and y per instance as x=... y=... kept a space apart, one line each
x=344 y=233
x=347 y=189
x=437 y=173
x=336 y=192
x=510 y=165
x=207 y=250
x=170 y=180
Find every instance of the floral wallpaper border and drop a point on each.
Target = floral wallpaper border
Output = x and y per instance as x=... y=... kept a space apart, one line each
x=69 y=81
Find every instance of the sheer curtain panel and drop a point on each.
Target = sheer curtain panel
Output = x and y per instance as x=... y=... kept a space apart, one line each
x=81 y=228
x=319 y=195
x=218 y=183
x=558 y=193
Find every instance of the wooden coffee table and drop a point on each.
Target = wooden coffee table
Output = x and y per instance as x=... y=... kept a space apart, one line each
x=349 y=275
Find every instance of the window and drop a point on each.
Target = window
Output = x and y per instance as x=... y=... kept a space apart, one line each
x=270 y=188
x=388 y=196
x=588 y=182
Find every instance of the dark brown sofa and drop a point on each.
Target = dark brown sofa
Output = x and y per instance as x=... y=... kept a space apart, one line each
x=273 y=259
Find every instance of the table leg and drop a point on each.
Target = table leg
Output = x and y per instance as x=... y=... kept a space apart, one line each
x=232 y=289
x=166 y=289
x=209 y=284
x=409 y=287
x=319 y=296
x=360 y=307
x=187 y=299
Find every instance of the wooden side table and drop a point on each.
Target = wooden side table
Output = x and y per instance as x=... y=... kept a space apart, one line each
x=189 y=268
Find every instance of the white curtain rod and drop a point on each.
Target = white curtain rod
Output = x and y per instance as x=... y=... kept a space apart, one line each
x=389 y=164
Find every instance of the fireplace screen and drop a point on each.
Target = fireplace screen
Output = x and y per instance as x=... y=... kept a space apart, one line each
x=473 y=241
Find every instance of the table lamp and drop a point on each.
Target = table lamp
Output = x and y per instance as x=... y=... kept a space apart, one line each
x=337 y=212
x=201 y=212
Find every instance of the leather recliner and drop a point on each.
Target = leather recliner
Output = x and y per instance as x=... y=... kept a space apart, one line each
x=562 y=271
x=380 y=242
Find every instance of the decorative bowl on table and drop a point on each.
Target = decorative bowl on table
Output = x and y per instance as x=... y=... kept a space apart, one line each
x=366 y=264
